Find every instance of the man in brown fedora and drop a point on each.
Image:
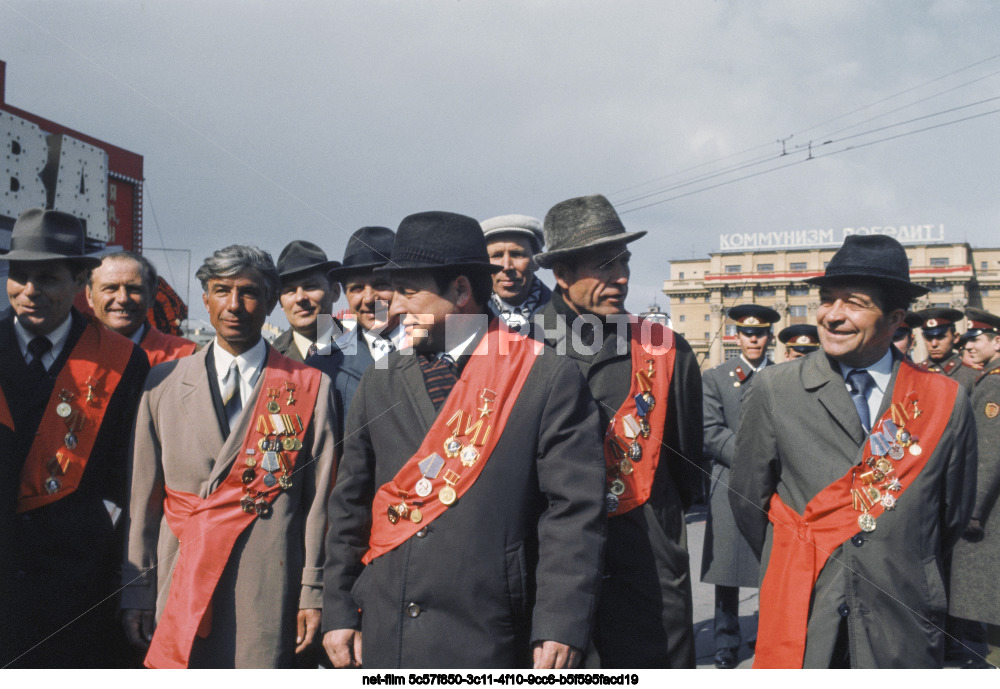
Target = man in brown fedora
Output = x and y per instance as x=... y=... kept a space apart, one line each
x=467 y=523
x=306 y=294
x=648 y=389
x=72 y=387
x=853 y=478
x=120 y=292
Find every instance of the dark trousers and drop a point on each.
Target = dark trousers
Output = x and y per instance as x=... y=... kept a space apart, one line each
x=727 y=617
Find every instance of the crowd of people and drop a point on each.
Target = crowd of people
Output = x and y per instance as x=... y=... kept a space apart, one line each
x=477 y=470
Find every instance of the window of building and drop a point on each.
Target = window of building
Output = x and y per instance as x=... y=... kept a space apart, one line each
x=798 y=290
x=708 y=317
x=730 y=330
x=732 y=352
x=825 y=264
x=798 y=314
x=764 y=291
x=706 y=336
x=706 y=298
x=940 y=261
x=800 y=265
x=765 y=267
x=733 y=268
x=681 y=275
x=940 y=287
x=681 y=319
x=983 y=265
x=984 y=292
x=680 y=300
x=732 y=293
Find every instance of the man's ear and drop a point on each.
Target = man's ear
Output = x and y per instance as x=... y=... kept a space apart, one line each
x=564 y=275
x=462 y=291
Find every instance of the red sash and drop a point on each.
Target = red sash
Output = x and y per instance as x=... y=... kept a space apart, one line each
x=207 y=528
x=52 y=469
x=5 y=418
x=491 y=380
x=160 y=347
x=652 y=347
x=802 y=544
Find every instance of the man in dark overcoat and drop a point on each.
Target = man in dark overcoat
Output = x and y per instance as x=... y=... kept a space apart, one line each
x=467 y=524
x=518 y=293
x=726 y=558
x=976 y=558
x=854 y=477
x=306 y=295
x=368 y=296
x=645 y=617
x=72 y=387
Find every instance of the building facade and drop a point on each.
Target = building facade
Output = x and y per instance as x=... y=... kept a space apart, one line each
x=702 y=290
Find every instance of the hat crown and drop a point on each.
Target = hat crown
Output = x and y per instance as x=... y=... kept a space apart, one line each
x=300 y=256
x=581 y=223
x=438 y=239
x=871 y=257
x=369 y=247
x=44 y=235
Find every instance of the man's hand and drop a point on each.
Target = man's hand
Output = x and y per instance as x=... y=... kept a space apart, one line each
x=139 y=626
x=307 y=627
x=344 y=647
x=554 y=655
x=974 y=531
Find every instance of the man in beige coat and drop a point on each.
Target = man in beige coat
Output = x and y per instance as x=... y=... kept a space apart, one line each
x=225 y=535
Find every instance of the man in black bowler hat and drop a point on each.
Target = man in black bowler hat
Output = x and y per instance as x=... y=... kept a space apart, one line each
x=368 y=296
x=72 y=387
x=467 y=522
x=727 y=559
x=799 y=340
x=854 y=476
x=940 y=336
x=648 y=389
x=306 y=294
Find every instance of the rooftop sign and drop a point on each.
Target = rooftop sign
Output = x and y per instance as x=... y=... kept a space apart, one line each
x=812 y=239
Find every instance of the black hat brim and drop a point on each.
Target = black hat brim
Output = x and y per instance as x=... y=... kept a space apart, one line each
x=324 y=267
x=408 y=266
x=910 y=289
x=27 y=255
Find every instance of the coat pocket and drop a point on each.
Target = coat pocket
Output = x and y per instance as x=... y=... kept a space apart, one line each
x=517 y=580
x=361 y=587
x=937 y=599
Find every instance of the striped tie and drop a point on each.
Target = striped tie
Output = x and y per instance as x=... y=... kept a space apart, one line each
x=440 y=376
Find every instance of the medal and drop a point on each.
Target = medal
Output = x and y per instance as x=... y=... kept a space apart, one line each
x=874 y=494
x=452 y=447
x=611 y=502
x=70 y=441
x=270 y=461
x=393 y=515
x=270 y=480
x=416 y=516
x=285 y=482
x=866 y=522
x=617 y=487
x=290 y=387
x=896 y=451
x=895 y=485
x=248 y=476
x=288 y=444
x=888 y=501
x=52 y=485
x=63 y=409
x=641 y=406
x=273 y=406
x=247 y=504
x=261 y=507
x=469 y=455
x=635 y=451
x=644 y=426
x=631 y=427
x=91 y=384
x=423 y=488
x=625 y=466
x=447 y=495
x=487 y=397
x=915 y=449
x=883 y=465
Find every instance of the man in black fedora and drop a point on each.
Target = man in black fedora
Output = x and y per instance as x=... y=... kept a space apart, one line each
x=73 y=387
x=853 y=478
x=727 y=561
x=648 y=389
x=467 y=521
x=941 y=338
x=306 y=293
x=368 y=295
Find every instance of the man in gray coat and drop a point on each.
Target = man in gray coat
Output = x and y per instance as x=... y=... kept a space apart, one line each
x=726 y=558
x=941 y=338
x=467 y=524
x=854 y=477
x=648 y=388
x=233 y=456
x=976 y=558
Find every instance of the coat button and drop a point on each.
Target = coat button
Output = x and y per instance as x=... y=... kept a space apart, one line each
x=422 y=532
x=843 y=610
x=858 y=540
x=413 y=610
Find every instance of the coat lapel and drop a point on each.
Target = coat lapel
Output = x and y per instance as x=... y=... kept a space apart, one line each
x=229 y=450
x=416 y=390
x=821 y=377
x=196 y=403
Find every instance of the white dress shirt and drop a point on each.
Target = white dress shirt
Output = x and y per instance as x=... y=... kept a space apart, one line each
x=250 y=364
x=57 y=337
x=881 y=372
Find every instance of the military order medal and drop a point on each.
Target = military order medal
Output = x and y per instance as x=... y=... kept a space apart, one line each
x=992 y=410
x=866 y=522
x=63 y=409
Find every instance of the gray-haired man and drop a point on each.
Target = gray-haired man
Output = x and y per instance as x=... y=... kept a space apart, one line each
x=233 y=457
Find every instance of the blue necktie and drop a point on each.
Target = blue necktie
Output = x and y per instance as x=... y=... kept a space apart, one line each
x=859 y=381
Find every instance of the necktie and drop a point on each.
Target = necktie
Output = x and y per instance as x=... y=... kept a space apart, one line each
x=859 y=381
x=38 y=347
x=231 y=399
x=440 y=376
x=312 y=350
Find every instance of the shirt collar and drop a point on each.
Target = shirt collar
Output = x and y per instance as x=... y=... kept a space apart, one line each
x=302 y=342
x=752 y=368
x=881 y=370
x=57 y=337
x=467 y=345
x=250 y=362
x=140 y=333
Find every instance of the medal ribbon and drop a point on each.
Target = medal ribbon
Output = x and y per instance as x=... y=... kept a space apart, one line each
x=100 y=356
x=207 y=528
x=639 y=484
x=499 y=346
x=160 y=347
x=802 y=544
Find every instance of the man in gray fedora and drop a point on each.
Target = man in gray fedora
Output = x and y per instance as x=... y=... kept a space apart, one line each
x=368 y=295
x=306 y=293
x=853 y=478
x=73 y=387
x=467 y=523
x=648 y=389
x=512 y=242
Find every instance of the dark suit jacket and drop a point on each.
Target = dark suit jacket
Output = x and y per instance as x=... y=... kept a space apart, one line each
x=516 y=559
x=799 y=432
x=62 y=559
x=646 y=609
x=345 y=363
x=285 y=343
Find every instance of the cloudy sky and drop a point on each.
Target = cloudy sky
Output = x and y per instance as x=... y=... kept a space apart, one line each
x=262 y=122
